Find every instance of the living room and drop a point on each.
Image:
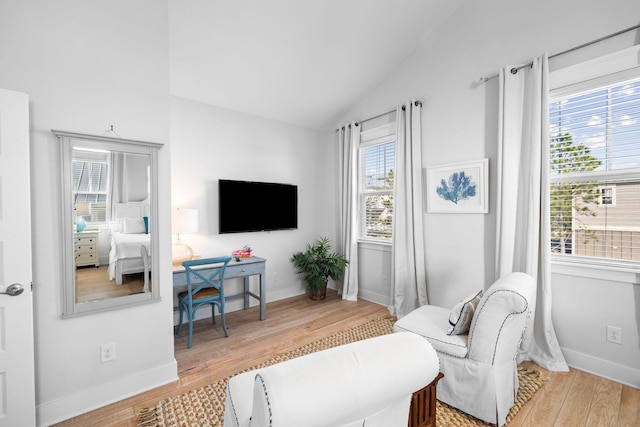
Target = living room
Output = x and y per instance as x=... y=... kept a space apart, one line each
x=88 y=66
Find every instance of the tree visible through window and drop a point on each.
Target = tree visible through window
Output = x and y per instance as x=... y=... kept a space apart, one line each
x=595 y=172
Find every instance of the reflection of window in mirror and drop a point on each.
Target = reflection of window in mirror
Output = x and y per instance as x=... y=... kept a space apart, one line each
x=90 y=178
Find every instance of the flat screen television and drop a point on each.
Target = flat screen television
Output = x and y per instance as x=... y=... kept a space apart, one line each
x=246 y=206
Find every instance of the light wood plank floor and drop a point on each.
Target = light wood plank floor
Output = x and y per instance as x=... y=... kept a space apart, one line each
x=567 y=399
x=93 y=284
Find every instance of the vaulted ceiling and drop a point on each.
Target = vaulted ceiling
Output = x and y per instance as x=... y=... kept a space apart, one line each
x=304 y=62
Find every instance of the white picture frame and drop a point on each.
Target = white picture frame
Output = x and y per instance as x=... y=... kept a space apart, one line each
x=458 y=187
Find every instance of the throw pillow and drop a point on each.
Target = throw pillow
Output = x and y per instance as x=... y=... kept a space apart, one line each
x=462 y=314
x=115 y=226
x=133 y=226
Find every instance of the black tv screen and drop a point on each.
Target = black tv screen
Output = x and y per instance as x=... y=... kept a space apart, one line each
x=256 y=206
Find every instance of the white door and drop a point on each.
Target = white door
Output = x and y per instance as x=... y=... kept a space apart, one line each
x=17 y=384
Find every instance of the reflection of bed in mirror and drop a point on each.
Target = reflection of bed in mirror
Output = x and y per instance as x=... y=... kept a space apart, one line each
x=129 y=233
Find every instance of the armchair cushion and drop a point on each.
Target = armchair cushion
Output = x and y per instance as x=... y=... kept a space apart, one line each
x=462 y=313
x=431 y=322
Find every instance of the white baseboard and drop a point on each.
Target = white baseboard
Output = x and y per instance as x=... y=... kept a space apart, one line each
x=86 y=400
x=373 y=297
x=603 y=368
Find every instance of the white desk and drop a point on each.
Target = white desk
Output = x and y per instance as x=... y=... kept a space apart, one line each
x=246 y=267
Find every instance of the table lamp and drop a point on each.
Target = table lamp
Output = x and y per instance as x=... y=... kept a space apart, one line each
x=82 y=208
x=183 y=221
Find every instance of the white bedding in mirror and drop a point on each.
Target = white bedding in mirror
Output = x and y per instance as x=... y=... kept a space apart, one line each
x=125 y=256
x=128 y=234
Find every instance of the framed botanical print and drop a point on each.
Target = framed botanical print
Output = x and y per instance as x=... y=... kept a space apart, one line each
x=458 y=187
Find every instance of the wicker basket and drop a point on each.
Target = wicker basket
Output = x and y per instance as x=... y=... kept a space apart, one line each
x=318 y=294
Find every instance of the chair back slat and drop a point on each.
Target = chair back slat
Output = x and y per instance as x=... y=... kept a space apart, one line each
x=216 y=276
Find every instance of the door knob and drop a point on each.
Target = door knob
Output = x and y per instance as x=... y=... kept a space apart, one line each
x=13 y=290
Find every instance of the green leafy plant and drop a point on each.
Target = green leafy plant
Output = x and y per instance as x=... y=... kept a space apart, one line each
x=317 y=264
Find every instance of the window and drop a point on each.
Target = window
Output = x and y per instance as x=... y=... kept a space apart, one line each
x=90 y=178
x=376 y=196
x=608 y=196
x=595 y=171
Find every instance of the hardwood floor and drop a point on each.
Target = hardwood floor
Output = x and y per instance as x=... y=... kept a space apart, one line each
x=93 y=284
x=567 y=399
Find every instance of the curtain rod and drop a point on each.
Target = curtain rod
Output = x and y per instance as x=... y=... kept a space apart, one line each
x=380 y=115
x=564 y=52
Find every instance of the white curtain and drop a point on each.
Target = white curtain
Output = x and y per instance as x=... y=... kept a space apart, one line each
x=523 y=228
x=117 y=187
x=348 y=142
x=408 y=270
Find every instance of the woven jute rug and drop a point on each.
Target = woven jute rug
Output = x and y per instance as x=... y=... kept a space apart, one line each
x=204 y=407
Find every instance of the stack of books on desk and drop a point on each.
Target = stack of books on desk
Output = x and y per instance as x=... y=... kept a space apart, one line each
x=241 y=253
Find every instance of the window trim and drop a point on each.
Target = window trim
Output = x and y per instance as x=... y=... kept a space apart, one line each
x=374 y=245
x=615 y=272
x=604 y=69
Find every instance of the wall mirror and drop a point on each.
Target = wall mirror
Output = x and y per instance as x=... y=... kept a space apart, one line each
x=109 y=214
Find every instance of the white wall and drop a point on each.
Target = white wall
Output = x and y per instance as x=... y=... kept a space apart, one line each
x=459 y=122
x=211 y=143
x=137 y=177
x=374 y=272
x=585 y=302
x=86 y=66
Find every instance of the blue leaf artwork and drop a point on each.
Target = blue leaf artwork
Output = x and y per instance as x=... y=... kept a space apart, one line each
x=459 y=187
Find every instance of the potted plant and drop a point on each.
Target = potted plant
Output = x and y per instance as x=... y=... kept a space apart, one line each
x=317 y=264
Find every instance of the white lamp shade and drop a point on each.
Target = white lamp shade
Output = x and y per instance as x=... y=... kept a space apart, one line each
x=184 y=221
x=83 y=208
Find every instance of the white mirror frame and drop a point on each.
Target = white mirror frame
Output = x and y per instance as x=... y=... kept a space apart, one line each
x=68 y=140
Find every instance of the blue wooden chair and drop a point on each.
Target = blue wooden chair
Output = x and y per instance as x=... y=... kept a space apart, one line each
x=203 y=289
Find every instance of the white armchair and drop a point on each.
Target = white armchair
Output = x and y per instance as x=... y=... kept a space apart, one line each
x=368 y=381
x=480 y=371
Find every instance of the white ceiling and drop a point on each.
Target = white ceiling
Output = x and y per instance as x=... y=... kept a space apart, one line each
x=304 y=62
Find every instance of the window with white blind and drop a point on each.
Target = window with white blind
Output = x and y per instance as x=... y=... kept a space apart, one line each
x=377 y=163
x=595 y=172
x=90 y=187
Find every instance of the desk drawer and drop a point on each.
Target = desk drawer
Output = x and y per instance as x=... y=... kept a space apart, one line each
x=234 y=269
x=240 y=270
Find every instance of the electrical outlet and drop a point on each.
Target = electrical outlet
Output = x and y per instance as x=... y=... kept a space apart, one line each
x=107 y=352
x=614 y=334
x=275 y=277
x=385 y=281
